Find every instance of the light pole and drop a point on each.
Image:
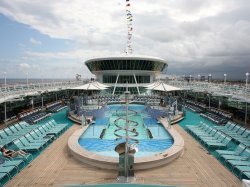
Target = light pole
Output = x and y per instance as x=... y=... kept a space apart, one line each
x=42 y=101
x=247 y=74
x=127 y=135
x=27 y=80
x=5 y=111
x=209 y=101
x=5 y=86
x=209 y=77
x=225 y=78
x=5 y=104
x=32 y=103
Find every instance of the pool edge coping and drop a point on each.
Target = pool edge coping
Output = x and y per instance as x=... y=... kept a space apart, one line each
x=141 y=163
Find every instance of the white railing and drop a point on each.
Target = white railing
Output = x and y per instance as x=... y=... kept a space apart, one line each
x=17 y=90
x=235 y=91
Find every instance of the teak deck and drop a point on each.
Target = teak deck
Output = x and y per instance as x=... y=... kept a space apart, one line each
x=56 y=167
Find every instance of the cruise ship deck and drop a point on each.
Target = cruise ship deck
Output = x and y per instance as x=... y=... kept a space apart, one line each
x=56 y=167
x=124 y=93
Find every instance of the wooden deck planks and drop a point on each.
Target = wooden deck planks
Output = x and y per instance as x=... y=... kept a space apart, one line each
x=56 y=167
x=195 y=167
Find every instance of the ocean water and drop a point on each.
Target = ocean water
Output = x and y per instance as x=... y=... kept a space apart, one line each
x=24 y=81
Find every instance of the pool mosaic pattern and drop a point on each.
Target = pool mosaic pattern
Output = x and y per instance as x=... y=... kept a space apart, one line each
x=91 y=141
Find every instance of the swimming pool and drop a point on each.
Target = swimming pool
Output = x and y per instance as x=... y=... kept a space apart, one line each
x=192 y=118
x=139 y=119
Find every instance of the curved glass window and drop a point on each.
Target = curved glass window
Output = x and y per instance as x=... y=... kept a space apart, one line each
x=145 y=65
x=126 y=78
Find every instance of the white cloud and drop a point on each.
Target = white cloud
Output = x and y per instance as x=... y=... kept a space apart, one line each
x=34 y=41
x=24 y=67
x=208 y=33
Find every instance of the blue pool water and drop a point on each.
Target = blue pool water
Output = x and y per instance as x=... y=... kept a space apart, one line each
x=192 y=118
x=91 y=140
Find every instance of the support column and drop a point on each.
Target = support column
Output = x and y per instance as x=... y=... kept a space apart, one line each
x=137 y=85
x=5 y=112
x=246 y=115
x=32 y=103
x=42 y=101
x=115 y=84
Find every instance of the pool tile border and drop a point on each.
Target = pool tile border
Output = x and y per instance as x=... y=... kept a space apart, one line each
x=141 y=163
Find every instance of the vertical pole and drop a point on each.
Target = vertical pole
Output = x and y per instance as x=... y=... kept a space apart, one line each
x=82 y=121
x=246 y=115
x=5 y=112
x=5 y=86
x=27 y=80
x=225 y=78
x=115 y=84
x=209 y=101
x=219 y=103
x=42 y=101
x=137 y=85
x=126 y=128
x=247 y=74
x=32 y=103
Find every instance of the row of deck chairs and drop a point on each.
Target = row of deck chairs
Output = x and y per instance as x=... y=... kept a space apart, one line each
x=238 y=160
x=9 y=134
x=237 y=132
x=10 y=167
x=29 y=138
x=193 y=108
x=209 y=136
x=214 y=117
x=55 y=107
x=220 y=113
x=34 y=116
x=40 y=136
x=104 y=99
x=147 y=98
x=199 y=105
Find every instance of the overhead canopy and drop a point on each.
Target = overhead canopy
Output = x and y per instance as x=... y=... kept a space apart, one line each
x=93 y=85
x=161 y=86
x=101 y=85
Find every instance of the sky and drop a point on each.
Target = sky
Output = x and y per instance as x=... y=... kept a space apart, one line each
x=52 y=39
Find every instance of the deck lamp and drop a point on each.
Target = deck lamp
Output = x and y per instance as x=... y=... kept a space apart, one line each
x=5 y=80
x=247 y=74
x=27 y=80
x=209 y=77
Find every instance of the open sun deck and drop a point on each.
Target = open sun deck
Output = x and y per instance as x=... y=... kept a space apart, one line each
x=56 y=167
